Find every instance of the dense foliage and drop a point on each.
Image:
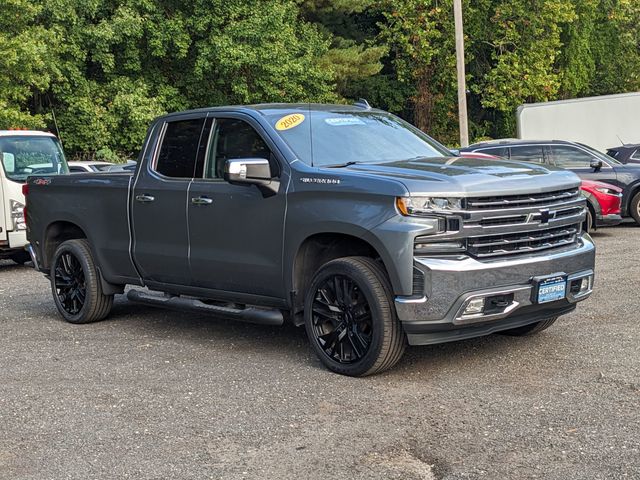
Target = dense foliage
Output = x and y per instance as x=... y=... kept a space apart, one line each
x=105 y=68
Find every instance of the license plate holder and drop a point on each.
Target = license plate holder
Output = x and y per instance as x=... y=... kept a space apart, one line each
x=550 y=289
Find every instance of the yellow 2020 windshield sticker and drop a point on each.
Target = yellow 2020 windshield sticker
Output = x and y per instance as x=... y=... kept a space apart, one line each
x=290 y=121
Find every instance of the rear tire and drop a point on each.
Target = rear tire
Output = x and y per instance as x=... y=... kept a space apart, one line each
x=530 y=329
x=350 y=318
x=21 y=258
x=75 y=284
x=634 y=207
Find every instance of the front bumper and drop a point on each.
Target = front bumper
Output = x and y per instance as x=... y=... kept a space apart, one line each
x=608 y=220
x=450 y=284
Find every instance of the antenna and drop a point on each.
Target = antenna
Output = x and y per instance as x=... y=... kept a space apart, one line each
x=55 y=123
x=621 y=142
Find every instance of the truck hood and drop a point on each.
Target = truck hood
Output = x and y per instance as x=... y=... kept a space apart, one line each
x=458 y=176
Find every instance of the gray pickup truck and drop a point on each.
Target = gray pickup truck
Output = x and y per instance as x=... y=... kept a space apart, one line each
x=344 y=219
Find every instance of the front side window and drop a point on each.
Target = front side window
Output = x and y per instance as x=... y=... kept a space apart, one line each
x=635 y=155
x=24 y=155
x=570 y=157
x=528 y=153
x=233 y=139
x=334 y=137
x=179 y=148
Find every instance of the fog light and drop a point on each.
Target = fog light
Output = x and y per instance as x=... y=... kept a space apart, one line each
x=474 y=307
x=586 y=283
x=579 y=287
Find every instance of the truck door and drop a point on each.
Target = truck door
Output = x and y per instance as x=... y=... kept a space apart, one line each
x=236 y=231
x=159 y=203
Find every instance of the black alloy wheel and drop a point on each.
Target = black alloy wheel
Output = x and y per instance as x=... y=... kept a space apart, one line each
x=69 y=283
x=342 y=322
x=350 y=317
x=76 y=285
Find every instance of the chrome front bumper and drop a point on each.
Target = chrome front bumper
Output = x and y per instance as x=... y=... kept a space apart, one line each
x=452 y=283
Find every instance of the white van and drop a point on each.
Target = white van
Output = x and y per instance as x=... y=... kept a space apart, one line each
x=22 y=153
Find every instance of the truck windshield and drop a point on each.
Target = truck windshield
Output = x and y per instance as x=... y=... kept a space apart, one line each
x=24 y=155
x=326 y=138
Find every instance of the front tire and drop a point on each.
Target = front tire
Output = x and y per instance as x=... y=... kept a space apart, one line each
x=530 y=329
x=634 y=207
x=350 y=318
x=588 y=225
x=75 y=284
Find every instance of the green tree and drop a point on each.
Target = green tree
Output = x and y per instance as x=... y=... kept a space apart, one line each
x=26 y=66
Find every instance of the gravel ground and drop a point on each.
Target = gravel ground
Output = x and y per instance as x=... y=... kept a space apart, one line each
x=156 y=394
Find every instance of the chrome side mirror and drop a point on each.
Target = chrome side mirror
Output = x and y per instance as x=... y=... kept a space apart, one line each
x=252 y=171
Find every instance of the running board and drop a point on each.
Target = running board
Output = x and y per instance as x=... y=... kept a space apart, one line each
x=248 y=314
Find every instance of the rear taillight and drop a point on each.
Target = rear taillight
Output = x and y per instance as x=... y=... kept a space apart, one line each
x=25 y=189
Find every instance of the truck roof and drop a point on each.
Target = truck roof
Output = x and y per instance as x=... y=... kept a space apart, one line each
x=273 y=108
x=25 y=133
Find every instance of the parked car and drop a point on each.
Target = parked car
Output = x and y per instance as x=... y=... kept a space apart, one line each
x=22 y=153
x=604 y=203
x=628 y=154
x=374 y=238
x=89 y=166
x=587 y=162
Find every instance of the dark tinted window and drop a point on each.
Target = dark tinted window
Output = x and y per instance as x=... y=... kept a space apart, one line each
x=233 y=139
x=77 y=170
x=177 y=156
x=635 y=155
x=528 y=153
x=570 y=157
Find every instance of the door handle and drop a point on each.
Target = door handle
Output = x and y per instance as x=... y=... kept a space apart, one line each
x=201 y=201
x=144 y=198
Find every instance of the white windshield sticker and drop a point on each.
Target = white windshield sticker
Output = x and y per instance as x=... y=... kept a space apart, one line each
x=343 y=121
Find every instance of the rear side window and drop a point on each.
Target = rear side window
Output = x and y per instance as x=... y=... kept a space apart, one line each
x=528 y=153
x=570 y=157
x=179 y=149
x=635 y=155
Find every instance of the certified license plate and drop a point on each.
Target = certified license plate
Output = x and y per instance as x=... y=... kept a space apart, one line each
x=552 y=289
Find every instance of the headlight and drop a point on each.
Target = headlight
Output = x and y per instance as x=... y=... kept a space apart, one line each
x=427 y=205
x=608 y=191
x=17 y=215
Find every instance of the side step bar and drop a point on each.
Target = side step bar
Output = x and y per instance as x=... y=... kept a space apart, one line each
x=248 y=314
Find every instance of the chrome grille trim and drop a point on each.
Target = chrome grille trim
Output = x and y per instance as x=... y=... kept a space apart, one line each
x=517 y=201
x=522 y=243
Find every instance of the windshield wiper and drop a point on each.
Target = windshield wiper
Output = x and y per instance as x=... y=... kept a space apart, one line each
x=342 y=165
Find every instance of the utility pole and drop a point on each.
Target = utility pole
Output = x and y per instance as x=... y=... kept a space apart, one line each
x=462 y=83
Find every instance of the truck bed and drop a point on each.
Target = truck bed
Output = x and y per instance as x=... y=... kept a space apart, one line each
x=98 y=204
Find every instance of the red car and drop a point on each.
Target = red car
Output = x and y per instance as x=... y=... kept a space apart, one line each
x=603 y=200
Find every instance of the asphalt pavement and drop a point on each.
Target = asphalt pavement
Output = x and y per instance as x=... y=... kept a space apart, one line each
x=154 y=394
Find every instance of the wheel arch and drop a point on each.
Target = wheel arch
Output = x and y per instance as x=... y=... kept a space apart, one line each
x=316 y=250
x=61 y=231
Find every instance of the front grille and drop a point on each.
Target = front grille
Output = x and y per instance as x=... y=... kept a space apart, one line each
x=522 y=243
x=518 y=201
